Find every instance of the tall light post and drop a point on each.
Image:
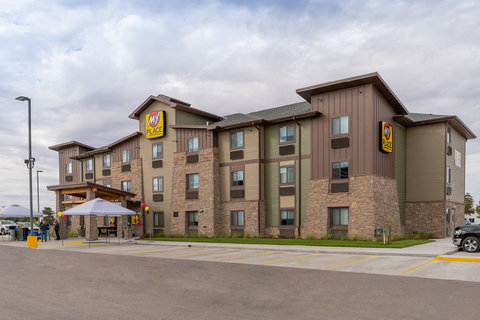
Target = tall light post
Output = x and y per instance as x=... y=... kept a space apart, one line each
x=30 y=161
x=38 y=193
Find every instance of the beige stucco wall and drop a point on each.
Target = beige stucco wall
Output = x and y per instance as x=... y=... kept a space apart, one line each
x=169 y=149
x=425 y=178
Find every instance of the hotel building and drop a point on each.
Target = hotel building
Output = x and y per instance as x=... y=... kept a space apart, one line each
x=347 y=159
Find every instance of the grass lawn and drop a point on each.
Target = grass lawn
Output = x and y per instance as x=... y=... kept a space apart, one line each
x=327 y=243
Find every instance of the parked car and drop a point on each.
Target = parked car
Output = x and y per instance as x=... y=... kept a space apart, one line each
x=467 y=237
x=6 y=225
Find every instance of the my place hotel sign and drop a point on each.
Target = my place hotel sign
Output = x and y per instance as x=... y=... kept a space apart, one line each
x=386 y=137
x=155 y=124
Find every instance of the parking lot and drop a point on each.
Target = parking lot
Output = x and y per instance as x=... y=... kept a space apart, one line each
x=440 y=262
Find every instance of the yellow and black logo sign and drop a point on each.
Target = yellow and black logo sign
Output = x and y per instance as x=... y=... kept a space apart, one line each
x=386 y=137
x=155 y=124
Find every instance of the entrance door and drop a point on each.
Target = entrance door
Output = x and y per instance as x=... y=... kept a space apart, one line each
x=447 y=223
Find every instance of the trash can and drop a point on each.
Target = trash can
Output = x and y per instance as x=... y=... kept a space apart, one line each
x=13 y=235
x=21 y=234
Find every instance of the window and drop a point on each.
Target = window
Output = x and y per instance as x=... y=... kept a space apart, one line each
x=157 y=150
x=127 y=186
x=108 y=185
x=158 y=219
x=68 y=197
x=237 y=178
x=193 y=144
x=340 y=170
x=340 y=125
x=106 y=161
x=339 y=217
x=287 y=217
x=448 y=175
x=192 y=180
x=192 y=217
x=238 y=218
x=287 y=133
x=89 y=165
x=69 y=220
x=447 y=216
x=287 y=175
x=69 y=168
x=236 y=140
x=126 y=155
x=158 y=184
x=449 y=135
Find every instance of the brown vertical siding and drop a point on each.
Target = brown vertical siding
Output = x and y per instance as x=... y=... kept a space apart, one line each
x=365 y=107
x=384 y=163
x=205 y=138
x=134 y=147
x=64 y=157
x=354 y=103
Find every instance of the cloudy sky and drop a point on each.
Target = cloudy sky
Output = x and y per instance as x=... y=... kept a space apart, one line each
x=87 y=65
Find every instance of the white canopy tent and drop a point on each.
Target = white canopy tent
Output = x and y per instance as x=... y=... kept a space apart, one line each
x=16 y=211
x=99 y=207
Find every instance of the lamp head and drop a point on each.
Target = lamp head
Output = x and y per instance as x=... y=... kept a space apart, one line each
x=22 y=98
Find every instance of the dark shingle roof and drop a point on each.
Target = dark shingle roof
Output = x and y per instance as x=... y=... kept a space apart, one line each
x=416 y=117
x=267 y=114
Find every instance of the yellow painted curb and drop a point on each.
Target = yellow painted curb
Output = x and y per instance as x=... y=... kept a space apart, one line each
x=442 y=258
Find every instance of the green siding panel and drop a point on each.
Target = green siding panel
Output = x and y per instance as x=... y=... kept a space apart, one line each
x=305 y=187
x=271 y=194
x=400 y=168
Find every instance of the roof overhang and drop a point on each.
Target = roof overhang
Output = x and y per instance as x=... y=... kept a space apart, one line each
x=69 y=144
x=80 y=190
x=173 y=103
x=454 y=121
x=311 y=114
x=370 y=78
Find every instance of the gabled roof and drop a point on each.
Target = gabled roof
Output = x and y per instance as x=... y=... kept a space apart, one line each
x=418 y=119
x=69 y=144
x=278 y=114
x=373 y=78
x=107 y=148
x=174 y=103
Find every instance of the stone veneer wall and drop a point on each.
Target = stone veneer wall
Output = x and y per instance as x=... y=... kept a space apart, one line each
x=252 y=213
x=372 y=200
x=430 y=217
x=208 y=200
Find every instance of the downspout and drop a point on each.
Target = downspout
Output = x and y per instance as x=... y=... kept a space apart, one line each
x=94 y=171
x=259 y=177
x=82 y=168
x=299 y=176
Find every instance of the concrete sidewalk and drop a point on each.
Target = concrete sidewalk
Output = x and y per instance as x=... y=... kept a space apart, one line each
x=432 y=249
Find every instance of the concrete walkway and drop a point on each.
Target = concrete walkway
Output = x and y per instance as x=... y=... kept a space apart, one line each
x=432 y=249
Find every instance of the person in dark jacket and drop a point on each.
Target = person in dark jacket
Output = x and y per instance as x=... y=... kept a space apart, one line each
x=44 y=229
x=57 y=229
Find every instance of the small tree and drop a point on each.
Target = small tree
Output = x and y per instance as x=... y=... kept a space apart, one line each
x=469 y=204
x=48 y=215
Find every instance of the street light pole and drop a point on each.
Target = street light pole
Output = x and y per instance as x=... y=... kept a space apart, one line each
x=30 y=161
x=38 y=193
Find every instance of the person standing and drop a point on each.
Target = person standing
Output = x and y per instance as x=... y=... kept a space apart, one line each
x=57 y=229
x=44 y=229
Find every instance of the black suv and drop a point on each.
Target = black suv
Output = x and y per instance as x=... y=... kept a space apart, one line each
x=467 y=237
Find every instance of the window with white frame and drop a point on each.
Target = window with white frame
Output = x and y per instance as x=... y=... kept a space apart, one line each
x=237 y=178
x=287 y=133
x=193 y=144
x=340 y=170
x=68 y=168
x=106 y=161
x=287 y=217
x=449 y=175
x=238 y=218
x=340 y=125
x=89 y=165
x=287 y=175
x=339 y=216
x=158 y=184
x=192 y=180
x=236 y=140
x=127 y=186
x=126 y=155
x=157 y=150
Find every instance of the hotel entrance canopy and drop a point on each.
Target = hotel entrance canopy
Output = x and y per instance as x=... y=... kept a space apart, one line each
x=86 y=191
